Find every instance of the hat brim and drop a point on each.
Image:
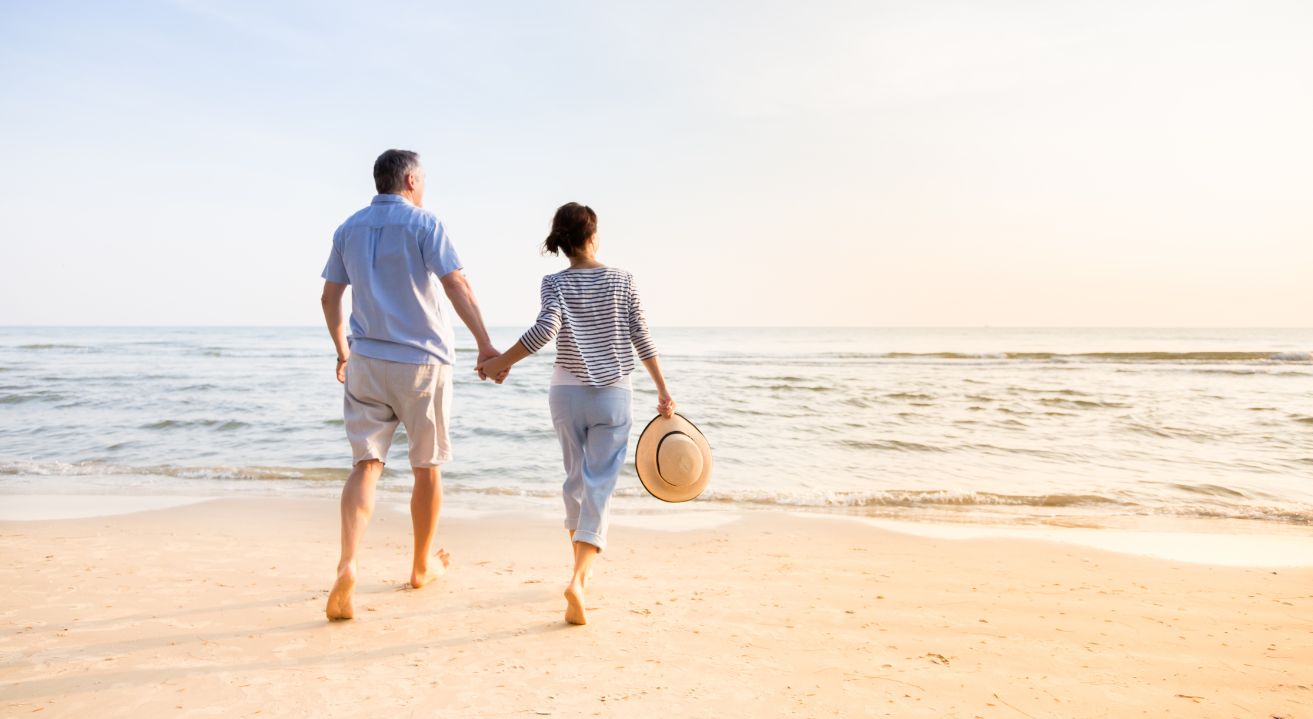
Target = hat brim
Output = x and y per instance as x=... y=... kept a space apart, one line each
x=645 y=459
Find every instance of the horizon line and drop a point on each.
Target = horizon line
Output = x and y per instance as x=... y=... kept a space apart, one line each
x=707 y=327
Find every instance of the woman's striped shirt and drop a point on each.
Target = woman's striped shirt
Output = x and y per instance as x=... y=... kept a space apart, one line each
x=595 y=316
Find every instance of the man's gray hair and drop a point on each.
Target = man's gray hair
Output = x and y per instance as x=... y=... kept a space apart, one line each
x=391 y=168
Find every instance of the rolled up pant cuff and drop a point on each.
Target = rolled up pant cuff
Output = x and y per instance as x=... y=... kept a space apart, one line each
x=593 y=538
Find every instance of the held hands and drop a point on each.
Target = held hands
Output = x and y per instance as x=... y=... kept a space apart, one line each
x=486 y=355
x=493 y=366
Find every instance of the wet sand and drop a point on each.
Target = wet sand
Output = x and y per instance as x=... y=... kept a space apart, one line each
x=216 y=609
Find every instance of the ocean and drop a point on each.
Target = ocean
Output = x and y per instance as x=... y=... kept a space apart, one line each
x=1016 y=425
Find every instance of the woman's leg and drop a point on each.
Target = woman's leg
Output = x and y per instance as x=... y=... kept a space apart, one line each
x=570 y=432
x=606 y=440
x=605 y=443
x=575 y=611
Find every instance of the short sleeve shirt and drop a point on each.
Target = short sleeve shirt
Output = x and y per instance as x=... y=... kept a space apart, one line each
x=393 y=254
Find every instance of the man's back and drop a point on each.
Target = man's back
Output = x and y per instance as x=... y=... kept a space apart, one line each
x=391 y=253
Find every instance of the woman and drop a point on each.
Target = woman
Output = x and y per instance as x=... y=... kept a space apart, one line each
x=594 y=313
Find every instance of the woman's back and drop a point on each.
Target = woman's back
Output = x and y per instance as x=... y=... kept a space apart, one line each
x=596 y=316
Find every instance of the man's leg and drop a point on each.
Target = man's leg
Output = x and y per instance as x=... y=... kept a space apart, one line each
x=357 y=507
x=425 y=504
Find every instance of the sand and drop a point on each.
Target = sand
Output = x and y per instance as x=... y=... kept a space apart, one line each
x=216 y=609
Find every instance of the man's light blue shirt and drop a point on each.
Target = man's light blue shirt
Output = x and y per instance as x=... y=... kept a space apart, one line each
x=392 y=254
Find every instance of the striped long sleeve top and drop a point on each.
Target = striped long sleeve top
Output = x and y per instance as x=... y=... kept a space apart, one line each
x=595 y=316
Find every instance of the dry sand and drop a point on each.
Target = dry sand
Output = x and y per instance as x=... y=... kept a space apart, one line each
x=216 y=609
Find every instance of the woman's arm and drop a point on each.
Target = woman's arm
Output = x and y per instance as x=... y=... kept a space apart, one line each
x=537 y=337
x=641 y=338
x=498 y=367
x=665 y=403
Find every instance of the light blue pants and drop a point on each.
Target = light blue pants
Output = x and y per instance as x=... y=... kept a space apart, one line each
x=593 y=426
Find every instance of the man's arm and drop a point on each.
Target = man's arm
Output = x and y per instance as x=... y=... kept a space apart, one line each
x=331 y=302
x=462 y=300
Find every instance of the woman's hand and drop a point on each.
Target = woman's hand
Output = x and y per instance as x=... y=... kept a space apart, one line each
x=665 y=404
x=494 y=368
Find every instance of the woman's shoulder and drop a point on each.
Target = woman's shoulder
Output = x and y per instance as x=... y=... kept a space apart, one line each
x=605 y=272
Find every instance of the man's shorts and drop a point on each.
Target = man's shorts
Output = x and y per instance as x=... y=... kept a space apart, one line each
x=379 y=394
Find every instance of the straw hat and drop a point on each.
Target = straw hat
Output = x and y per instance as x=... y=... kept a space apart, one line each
x=673 y=459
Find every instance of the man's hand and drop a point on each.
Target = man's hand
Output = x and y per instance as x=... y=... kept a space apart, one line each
x=485 y=353
x=341 y=369
x=331 y=301
x=496 y=367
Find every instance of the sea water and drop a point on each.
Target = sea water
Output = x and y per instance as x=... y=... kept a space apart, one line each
x=1013 y=424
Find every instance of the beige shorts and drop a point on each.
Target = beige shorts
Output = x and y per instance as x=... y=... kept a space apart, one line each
x=380 y=394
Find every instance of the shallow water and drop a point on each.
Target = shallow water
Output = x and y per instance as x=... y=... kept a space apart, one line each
x=999 y=422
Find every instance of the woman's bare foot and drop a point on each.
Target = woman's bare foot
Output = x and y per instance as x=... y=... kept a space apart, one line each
x=425 y=575
x=574 y=604
x=340 y=604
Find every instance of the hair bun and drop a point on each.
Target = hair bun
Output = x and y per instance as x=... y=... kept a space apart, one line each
x=572 y=226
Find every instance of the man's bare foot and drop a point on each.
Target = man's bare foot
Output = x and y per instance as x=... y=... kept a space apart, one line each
x=574 y=604
x=425 y=575
x=339 y=600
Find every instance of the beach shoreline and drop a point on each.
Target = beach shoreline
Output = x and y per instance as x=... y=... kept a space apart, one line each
x=216 y=607
x=1198 y=540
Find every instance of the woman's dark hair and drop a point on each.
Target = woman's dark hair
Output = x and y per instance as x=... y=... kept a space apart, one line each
x=571 y=227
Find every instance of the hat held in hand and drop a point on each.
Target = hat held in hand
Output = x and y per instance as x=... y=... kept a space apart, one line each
x=673 y=459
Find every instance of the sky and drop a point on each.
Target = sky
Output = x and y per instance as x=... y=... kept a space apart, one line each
x=909 y=163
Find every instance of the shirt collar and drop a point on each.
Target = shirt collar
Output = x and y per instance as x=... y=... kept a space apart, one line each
x=385 y=199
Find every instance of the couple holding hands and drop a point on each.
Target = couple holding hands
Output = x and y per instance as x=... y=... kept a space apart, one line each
x=397 y=364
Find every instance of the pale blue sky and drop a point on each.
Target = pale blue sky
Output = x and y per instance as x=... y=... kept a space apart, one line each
x=754 y=163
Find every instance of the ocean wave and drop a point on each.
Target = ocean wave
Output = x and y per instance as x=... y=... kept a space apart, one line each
x=1216 y=501
x=887 y=498
x=1261 y=513
x=221 y=425
x=23 y=397
x=1211 y=490
x=1124 y=357
x=1080 y=403
x=56 y=347
x=911 y=498
x=933 y=499
x=909 y=395
x=890 y=444
x=929 y=500
x=92 y=469
x=779 y=387
x=1171 y=432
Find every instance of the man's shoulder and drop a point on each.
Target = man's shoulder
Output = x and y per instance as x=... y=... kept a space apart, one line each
x=356 y=217
x=420 y=217
x=400 y=214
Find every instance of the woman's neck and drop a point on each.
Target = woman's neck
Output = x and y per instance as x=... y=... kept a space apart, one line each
x=584 y=262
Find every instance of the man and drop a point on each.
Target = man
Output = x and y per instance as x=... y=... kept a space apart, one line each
x=397 y=363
